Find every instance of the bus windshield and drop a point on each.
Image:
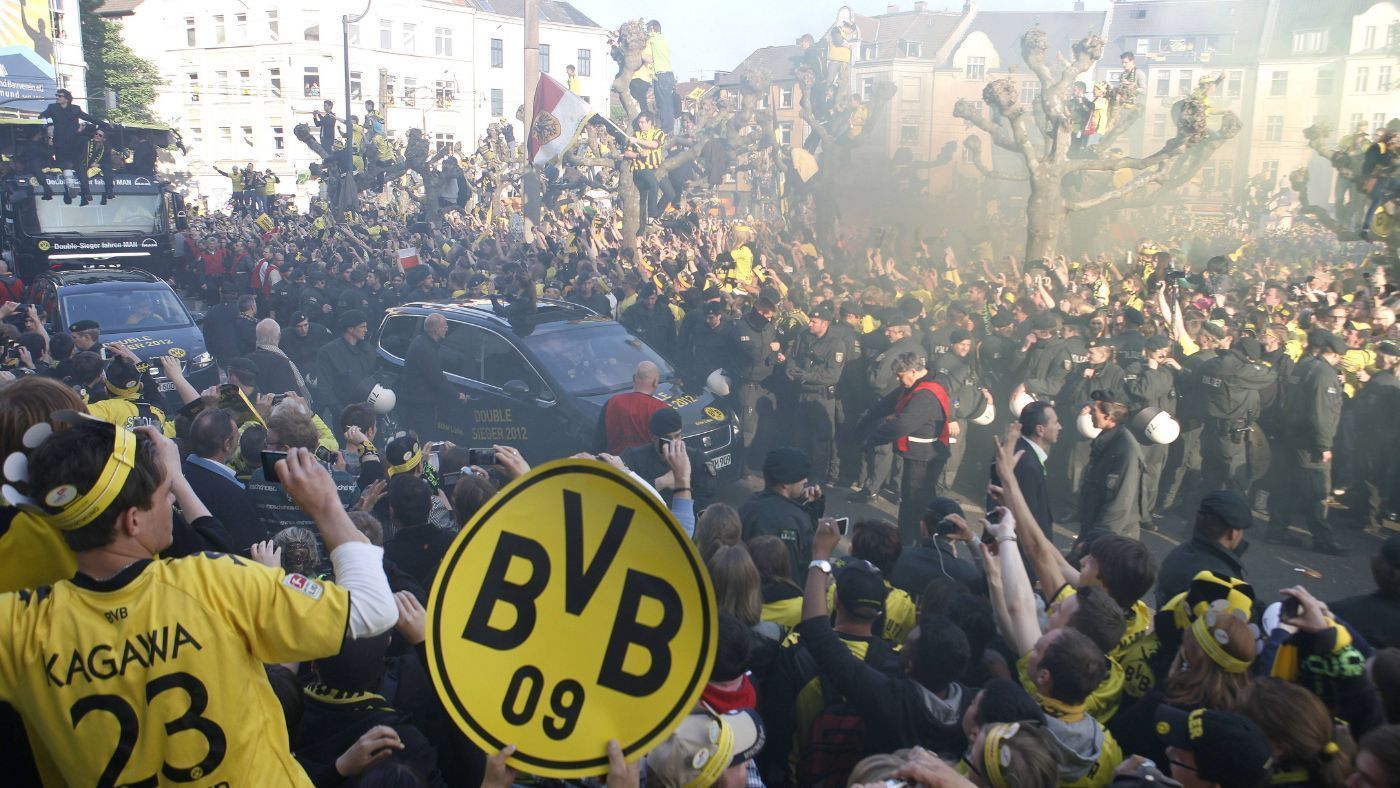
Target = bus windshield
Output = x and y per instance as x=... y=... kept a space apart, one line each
x=123 y=214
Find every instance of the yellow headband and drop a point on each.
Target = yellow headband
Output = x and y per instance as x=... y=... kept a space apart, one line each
x=1204 y=630
x=408 y=464
x=713 y=768
x=78 y=512
x=994 y=749
x=122 y=391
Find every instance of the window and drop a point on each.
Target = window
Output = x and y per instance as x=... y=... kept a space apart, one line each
x=785 y=97
x=910 y=89
x=1208 y=177
x=189 y=31
x=1222 y=44
x=443 y=140
x=585 y=62
x=312 y=31
x=976 y=69
x=1278 y=84
x=911 y=49
x=967 y=156
x=1370 y=37
x=279 y=141
x=978 y=110
x=498 y=102
x=1363 y=79
x=868 y=52
x=311 y=82
x=1358 y=122
x=1325 y=78
x=763 y=102
x=274 y=27
x=1226 y=180
x=386 y=34
x=1159 y=126
x=219 y=36
x=352 y=34
x=58 y=25
x=221 y=83
x=240 y=28
x=356 y=85
x=193 y=78
x=388 y=83
x=244 y=89
x=1234 y=83
x=442 y=41
x=225 y=139
x=1030 y=91
x=867 y=88
x=1273 y=129
x=247 y=137
x=401 y=330
x=1183 y=83
x=1383 y=79
x=909 y=131
x=274 y=81
x=1144 y=45
x=1270 y=172
x=1164 y=83
x=1378 y=121
x=442 y=92
x=1309 y=41
x=498 y=53
x=197 y=136
x=410 y=37
x=501 y=363
x=1139 y=13
x=410 y=89
x=784 y=133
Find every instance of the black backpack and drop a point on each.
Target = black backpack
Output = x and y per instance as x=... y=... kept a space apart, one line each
x=834 y=742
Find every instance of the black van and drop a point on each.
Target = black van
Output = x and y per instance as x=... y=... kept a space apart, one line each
x=538 y=381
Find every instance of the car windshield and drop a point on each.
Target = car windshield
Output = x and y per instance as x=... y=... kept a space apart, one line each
x=126 y=310
x=598 y=359
x=123 y=214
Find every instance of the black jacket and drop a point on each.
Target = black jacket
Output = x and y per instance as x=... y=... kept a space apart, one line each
x=229 y=502
x=655 y=326
x=754 y=358
x=1376 y=616
x=1033 y=479
x=922 y=418
x=933 y=559
x=222 y=333
x=1197 y=555
x=418 y=551
x=332 y=721
x=900 y=711
x=1147 y=387
x=647 y=463
x=770 y=514
x=422 y=370
x=1048 y=364
x=1313 y=398
x=1111 y=493
x=1232 y=385
x=340 y=368
x=275 y=374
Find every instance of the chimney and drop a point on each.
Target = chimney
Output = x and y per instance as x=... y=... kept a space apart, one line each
x=891 y=9
x=920 y=6
x=1079 y=5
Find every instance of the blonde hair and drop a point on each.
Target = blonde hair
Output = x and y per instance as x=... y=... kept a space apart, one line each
x=737 y=587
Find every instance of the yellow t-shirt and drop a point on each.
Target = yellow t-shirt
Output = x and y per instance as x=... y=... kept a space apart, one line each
x=32 y=553
x=660 y=53
x=158 y=674
x=127 y=414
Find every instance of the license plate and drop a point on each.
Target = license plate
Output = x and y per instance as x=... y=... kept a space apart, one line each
x=166 y=385
x=722 y=461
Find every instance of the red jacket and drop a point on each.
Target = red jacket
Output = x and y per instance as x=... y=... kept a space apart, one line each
x=626 y=420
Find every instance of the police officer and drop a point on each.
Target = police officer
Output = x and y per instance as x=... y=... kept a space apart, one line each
x=1098 y=371
x=998 y=356
x=958 y=374
x=1047 y=358
x=852 y=391
x=710 y=343
x=1313 y=403
x=815 y=368
x=1231 y=383
x=879 y=457
x=1184 y=459
x=651 y=320
x=755 y=355
x=1151 y=383
x=1376 y=404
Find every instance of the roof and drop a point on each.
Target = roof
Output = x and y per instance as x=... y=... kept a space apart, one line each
x=549 y=314
x=555 y=11
x=780 y=62
x=1309 y=16
x=76 y=276
x=929 y=28
x=1062 y=30
x=1181 y=21
x=119 y=7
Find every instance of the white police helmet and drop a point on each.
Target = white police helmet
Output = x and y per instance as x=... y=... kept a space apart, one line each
x=986 y=414
x=1156 y=426
x=1020 y=401
x=382 y=399
x=1085 y=424
x=718 y=383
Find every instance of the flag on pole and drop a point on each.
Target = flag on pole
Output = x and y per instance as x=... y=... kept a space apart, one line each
x=559 y=115
x=408 y=257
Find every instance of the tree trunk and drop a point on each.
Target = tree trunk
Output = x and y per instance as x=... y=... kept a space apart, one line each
x=630 y=200
x=1045 y=216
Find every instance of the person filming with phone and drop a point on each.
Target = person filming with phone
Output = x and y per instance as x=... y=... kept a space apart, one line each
x=653 y=462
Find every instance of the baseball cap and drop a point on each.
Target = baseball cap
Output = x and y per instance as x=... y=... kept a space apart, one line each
x=1229 y=506
x=1327 y=341
x=244 y=368
x=1133 y=317
x=1388 y=348
x=1043 y=322
x=941 y=507
x=714 y=308
x=958 y=335
x=705 y=744
x=84 y=325
x=352 y=318
x=1105 y=395
x=1002 y=319
x=860 y=588
x=1229 y=748
x=892 y=317
x=665 y=421
x=822 y=311
x=1250 y=347
x=786 y=465
x=1157 y=342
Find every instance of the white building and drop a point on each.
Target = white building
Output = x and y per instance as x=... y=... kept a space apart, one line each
x=68 y=60
x=241 y=74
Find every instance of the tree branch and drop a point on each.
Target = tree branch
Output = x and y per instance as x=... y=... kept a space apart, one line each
x=1000 y=137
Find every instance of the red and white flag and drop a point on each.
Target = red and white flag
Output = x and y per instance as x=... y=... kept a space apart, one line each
x=408 y=257
x=559 y=114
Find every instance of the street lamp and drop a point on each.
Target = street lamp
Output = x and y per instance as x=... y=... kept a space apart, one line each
x=345 y=21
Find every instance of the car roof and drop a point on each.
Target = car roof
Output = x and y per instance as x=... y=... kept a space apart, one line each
x=550 y=314
x=105 y=277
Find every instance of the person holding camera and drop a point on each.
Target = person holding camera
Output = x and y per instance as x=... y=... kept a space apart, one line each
x=936 y=555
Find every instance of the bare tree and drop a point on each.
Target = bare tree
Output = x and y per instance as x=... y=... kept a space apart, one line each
x=417 y=156
x=1349 y=193
x=1045 y=148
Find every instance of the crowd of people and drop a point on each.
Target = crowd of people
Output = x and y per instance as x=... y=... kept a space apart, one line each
x=233 y=579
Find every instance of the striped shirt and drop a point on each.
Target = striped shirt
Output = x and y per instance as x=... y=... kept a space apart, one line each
x=651 y=159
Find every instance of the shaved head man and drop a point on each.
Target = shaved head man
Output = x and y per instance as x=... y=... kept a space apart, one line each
x=625 y=421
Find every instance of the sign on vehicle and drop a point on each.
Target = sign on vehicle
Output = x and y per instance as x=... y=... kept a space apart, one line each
x=571 y=610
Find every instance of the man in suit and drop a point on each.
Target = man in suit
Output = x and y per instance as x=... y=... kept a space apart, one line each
x=1040 y=428
x=430 y=387
x=213 y=440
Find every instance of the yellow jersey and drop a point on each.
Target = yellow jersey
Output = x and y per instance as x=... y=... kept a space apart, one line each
x=131 y=414
x=32 y=552
x=156 y=675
